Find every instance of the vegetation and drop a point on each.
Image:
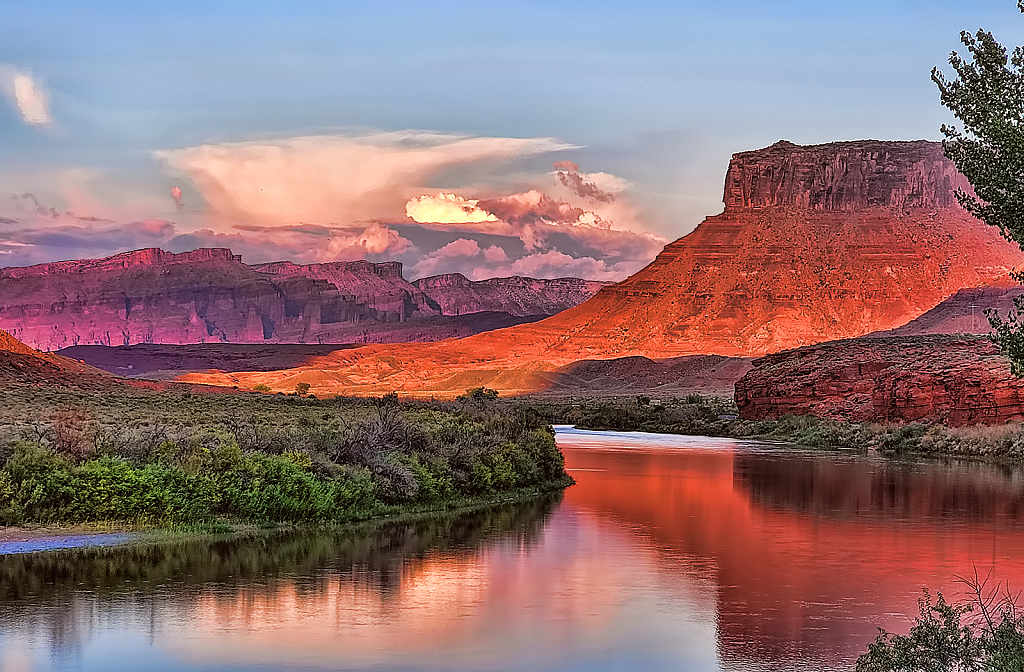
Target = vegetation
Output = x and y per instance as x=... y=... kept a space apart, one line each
x=173 y=458
x=987 y=96
x=984 y=633
x=717 y=416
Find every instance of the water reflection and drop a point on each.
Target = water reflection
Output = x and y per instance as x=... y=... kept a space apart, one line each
x=670 y=553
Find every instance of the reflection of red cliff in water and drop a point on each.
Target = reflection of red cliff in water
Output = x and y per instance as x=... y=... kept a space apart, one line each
x=811 y=555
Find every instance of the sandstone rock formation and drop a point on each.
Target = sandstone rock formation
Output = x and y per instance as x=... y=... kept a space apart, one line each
x=455 y=294
x=209 y=296
x=955 y=380
x=964 y=312
x=816 y=243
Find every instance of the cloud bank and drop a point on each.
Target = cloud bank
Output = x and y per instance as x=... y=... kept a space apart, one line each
x=438 y=203
x=334 y=178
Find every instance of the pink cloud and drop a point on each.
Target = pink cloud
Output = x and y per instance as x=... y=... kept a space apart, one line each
x=341 y=179
x=437 y=261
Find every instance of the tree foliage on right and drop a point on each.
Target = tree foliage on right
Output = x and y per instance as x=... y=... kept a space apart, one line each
x=987 y=96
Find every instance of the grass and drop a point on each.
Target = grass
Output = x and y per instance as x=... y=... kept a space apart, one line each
x=142 y=458
x=717 y=416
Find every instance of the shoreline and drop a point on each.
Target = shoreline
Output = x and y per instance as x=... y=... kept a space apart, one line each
x=34 y=537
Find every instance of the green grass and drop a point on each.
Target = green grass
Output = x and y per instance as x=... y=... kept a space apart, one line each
x=151 y=459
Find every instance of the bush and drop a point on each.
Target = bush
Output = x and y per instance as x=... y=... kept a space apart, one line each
x=258 y=458
x=983 y=633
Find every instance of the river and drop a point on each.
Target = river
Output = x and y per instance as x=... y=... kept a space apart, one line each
x=670 y=553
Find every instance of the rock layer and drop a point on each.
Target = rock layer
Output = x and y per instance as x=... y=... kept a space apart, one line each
x=210 y=296
x=455 y=294
x=955 y=380
x=815 y=243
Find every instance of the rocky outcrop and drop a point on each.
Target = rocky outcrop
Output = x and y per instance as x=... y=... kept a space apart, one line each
x=964 y=312
x=844 y=176
x=815 y=243
x=455 y=294
x=955 y=380
x=379 y=287
x=210 y=296
x=20 y=364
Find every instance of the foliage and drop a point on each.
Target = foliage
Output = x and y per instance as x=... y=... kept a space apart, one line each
x=983 y=633
x=302 y=389
x=478 y=394
x=161 y=458
x=987 y=96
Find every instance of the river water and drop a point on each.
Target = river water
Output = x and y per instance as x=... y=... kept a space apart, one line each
x=670 y=553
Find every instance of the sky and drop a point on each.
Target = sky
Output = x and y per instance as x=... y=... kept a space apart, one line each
x=488 y=138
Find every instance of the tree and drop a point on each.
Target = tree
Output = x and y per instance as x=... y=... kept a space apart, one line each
x=983 y=633
x=987 y=96
x=301 y=389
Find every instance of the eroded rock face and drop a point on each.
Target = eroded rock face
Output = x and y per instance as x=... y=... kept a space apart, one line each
x=955 y=380
x=964 y=312
x=210 y=296
x=455 y=294
x=844 y=176
x=815 y=243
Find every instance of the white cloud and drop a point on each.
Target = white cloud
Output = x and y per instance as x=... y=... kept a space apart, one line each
x=436 y=262
x=335 y=178
x=26 y=94
x=446 y=209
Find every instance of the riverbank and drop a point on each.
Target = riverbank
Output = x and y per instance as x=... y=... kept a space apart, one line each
x=717 y=416
x=164 y=460
x=40 y=538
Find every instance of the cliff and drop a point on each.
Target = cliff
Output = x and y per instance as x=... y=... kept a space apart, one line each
x=210 y=296
x=844 y=176
x=456 y=295
x=815 y=243
x=955 y=380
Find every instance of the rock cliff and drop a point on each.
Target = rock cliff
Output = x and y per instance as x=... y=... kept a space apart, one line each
x=209 y=296
x=815 y=243
x=455 y=294
x=955 y=380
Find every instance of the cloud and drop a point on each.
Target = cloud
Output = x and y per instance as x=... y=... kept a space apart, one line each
x=569 y=176
x=304 y=243
x=495 y=255
x=555 y=264
x=433 y=263
x=334 y=178
x=26 y=94
x=446 y=209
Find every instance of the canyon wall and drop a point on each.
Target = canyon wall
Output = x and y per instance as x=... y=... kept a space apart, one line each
x=815 y=243
x=455 y=294
x=209 y=296
x=953 y=379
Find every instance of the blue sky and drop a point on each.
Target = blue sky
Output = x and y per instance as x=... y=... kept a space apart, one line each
x=657 y=94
